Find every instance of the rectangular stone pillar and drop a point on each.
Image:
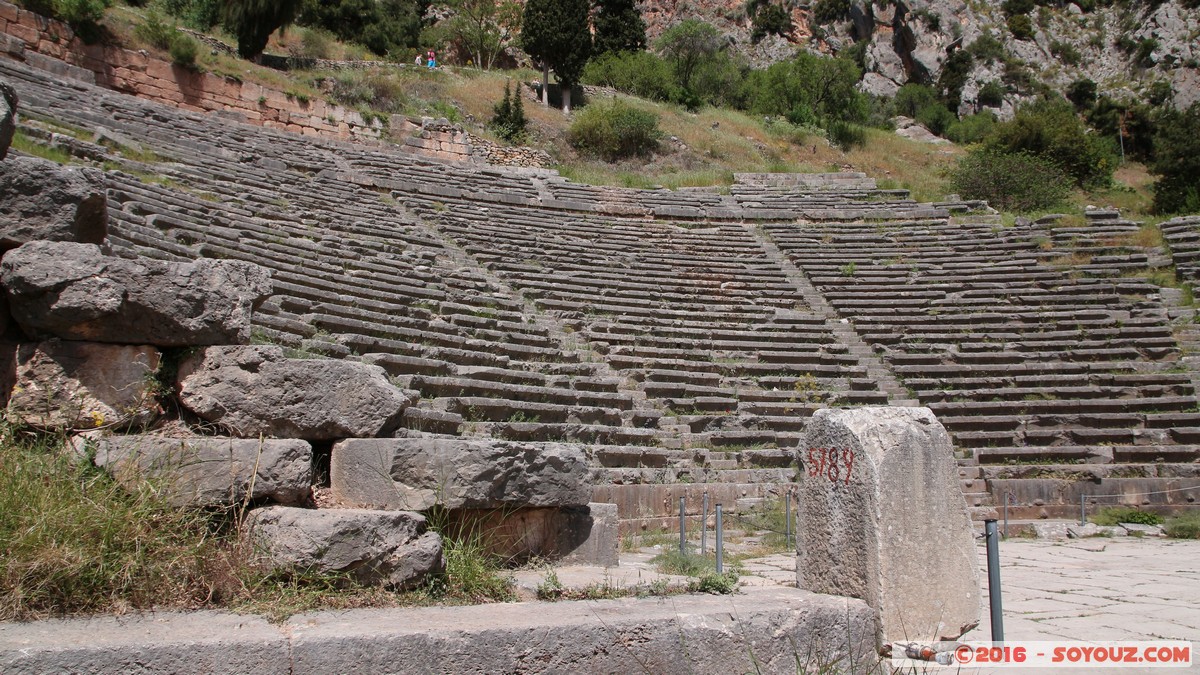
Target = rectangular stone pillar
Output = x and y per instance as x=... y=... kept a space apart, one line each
x=882 y=518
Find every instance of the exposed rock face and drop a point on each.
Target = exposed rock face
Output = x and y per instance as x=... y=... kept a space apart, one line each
x=389 y=548
x=74 y=292
x=882 y=518
x=255 y=390
x=40 y=200
x=417 y=473
x=8 y=114
x=84 y=385
x=209 y=471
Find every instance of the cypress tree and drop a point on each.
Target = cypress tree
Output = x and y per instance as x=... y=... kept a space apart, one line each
x=619 y=27
x=556 y=34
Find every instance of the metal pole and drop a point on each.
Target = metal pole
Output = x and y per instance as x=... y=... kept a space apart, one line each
x=682 y=530
x=787 y=517
x=1082 y=510
x=993 y=565
x=704 y=526
x=720 y=545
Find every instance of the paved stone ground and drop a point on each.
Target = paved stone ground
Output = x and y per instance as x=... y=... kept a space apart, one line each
x=1119 y=588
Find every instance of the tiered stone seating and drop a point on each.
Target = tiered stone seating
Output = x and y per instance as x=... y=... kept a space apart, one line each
x=1023 y=361
x=684 y=336
x=1182 y=236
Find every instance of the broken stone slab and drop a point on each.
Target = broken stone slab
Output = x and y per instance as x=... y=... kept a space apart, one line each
x=84 y=385
x=388 y=548
x=207 y=471
x=8 y=117
x=456 y=473
x=40 y=200
x=883 y=519
x=254 y=390
x=1088 y=530
x=73 y=291
x=1141 y=530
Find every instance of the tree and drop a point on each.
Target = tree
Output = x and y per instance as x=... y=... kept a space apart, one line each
x=386 y=27
x=619 y=27
x=508 y=116
x=483 y=28
x=767 y=18
x=556 y=34
x=1177 y=162
x=253 y=21
x=688 y=44
x=1049 y=128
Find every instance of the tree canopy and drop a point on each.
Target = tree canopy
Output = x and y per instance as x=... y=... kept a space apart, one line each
x=687 y=45
x=619 y=27
x=253 y=21
x=557 y=34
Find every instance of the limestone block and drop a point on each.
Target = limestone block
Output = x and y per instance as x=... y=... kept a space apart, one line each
x=209 y=471
x=8 y=114
x=84 y=385
x=882 y=518
x=40 y=200
x=73 y=291
x=417 y=473
x=255 y=390
x=389 y=548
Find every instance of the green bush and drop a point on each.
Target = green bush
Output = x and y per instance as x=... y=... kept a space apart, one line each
x=614 y=130
x=991 y=94
x=156 y=31
x=1082 y=93
x=1010 y=181
x=508 y=116
x=1184 y=526
x=1113 y=515
x=1066 y=52
x=640 y=74
x=83 y=16
x=828 y=11
x=196 y=14
x=1050 y=128
x=374 y=90
x=912 y=97
x=183 y=51
x=846 y=135
x=987 y=49
x=316 y=43
x=1021 y=26
x=936 y=118
x=972 y=128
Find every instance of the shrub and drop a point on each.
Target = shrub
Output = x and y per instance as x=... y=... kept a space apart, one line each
x=155 y=31
x=1021 y=26
x=1065 y=52
x=641 y=74
x=912 y=97
x=936 y=118
x=1082 y=93
x=1050 y=128
x=828 y=11
x=1184 y=526
x=769 y=19
x=846 y=135
x=987 y=49
x=196 y=14
x=1113 y=515
x=1017 y=7
x=368 y=89
x=82 y=15
x=991 y=94
x=508 y=118
x=1010 y=181
x=316 y=43
x=183 y=51
x=972 y=128
x=954 y=77
x=614 y=130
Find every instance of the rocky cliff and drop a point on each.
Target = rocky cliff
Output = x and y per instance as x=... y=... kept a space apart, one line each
x=1124 y=47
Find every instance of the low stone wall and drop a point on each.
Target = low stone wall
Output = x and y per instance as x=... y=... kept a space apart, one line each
x=52 y=45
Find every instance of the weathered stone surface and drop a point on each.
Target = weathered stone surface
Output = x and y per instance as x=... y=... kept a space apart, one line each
x=84 y=385
x=75 y=292
x=417 y=473
x=8 y=114
x=40 y=200
x=882 y=518
x=389 y=548
x=209 y=471
x=252 y=391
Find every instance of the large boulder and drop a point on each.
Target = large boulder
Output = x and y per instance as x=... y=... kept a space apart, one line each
x=40 y=200
x=389 y=548
x=882 y=518
x=84 y=385
x=457 y=473
x=8 y=117
x=252 y=391
x=208 y=471
x=75 y=292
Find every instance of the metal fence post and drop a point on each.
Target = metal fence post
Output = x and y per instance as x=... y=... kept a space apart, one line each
x=682 y=529
x=993 y=565
x=1082 y=510
x=1006 y=496
x=787 y=516
x=704 y=526
x=719 y=542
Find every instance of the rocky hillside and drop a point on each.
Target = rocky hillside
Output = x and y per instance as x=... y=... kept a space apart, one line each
x=1124 y=48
